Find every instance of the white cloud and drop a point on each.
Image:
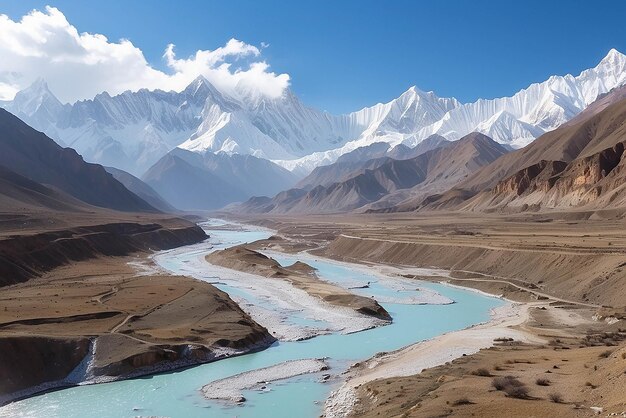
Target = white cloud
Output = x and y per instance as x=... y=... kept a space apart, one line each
x=81 y=65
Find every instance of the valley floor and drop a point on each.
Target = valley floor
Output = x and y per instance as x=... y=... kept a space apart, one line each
x=563 y=343
x=565 y=348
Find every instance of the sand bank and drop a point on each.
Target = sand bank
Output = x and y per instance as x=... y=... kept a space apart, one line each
x=289 y=313
x=231 y=388
x=388 y=276
x=300 y=275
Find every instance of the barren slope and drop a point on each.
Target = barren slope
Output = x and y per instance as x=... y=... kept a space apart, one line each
x=37 y=157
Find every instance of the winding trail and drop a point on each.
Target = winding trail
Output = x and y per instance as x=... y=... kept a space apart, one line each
x=496 y=279
x=489 y=247
x=534 y=292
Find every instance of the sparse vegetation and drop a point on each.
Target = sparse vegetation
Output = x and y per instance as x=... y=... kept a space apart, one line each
x=482 y=372
x=462 y=401
x=519 y=361
x=511 y=386
x=499 y=383
x=519 y=392
x=609 y=339
x=555 y=397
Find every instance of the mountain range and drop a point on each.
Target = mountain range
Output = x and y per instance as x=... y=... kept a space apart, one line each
x=577 y=166
x=146 y=132
x=27 y=153
x=375 y=179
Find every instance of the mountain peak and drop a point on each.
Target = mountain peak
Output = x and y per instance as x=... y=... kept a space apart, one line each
x=613 y=57
x=38 y=88
x=39 y=84
x=411 y=95
x=198 y=81
x=477 y=138
x=198 y=84
x=32 y=98
x=416 y=91
x=412 y=91
x=201 y=89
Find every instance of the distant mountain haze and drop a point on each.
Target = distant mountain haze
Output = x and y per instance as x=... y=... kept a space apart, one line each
x=367 y=157
x=141 y=189
x=438 y=168
x=194 y=181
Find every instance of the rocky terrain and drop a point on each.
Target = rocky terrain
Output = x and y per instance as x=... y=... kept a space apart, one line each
x=23 y=257
x=578 y=372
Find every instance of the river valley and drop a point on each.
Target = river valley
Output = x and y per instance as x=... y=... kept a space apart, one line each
x=306 y=329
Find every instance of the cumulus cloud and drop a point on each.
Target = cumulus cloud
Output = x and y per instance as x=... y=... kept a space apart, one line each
x=80 y=65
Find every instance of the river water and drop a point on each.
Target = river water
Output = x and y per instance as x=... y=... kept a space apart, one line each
x=176 y=394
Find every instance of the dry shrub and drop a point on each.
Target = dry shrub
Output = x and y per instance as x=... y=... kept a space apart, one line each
x=482 y=372
x=519 y=392
x=511 y=386
x=462 y=401
x=556 y=397
x=605 y=354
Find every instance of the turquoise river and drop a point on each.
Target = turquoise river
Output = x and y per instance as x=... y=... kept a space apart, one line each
x=176 y=394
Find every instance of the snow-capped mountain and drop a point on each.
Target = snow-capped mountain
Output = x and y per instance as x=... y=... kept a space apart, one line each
x=38 y=107
x=394 y=122
x=541 y=107
x=134 y=130
x=130 y=131
x=515 y=121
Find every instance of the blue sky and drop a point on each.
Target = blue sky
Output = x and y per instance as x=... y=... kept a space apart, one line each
x=344 y=55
